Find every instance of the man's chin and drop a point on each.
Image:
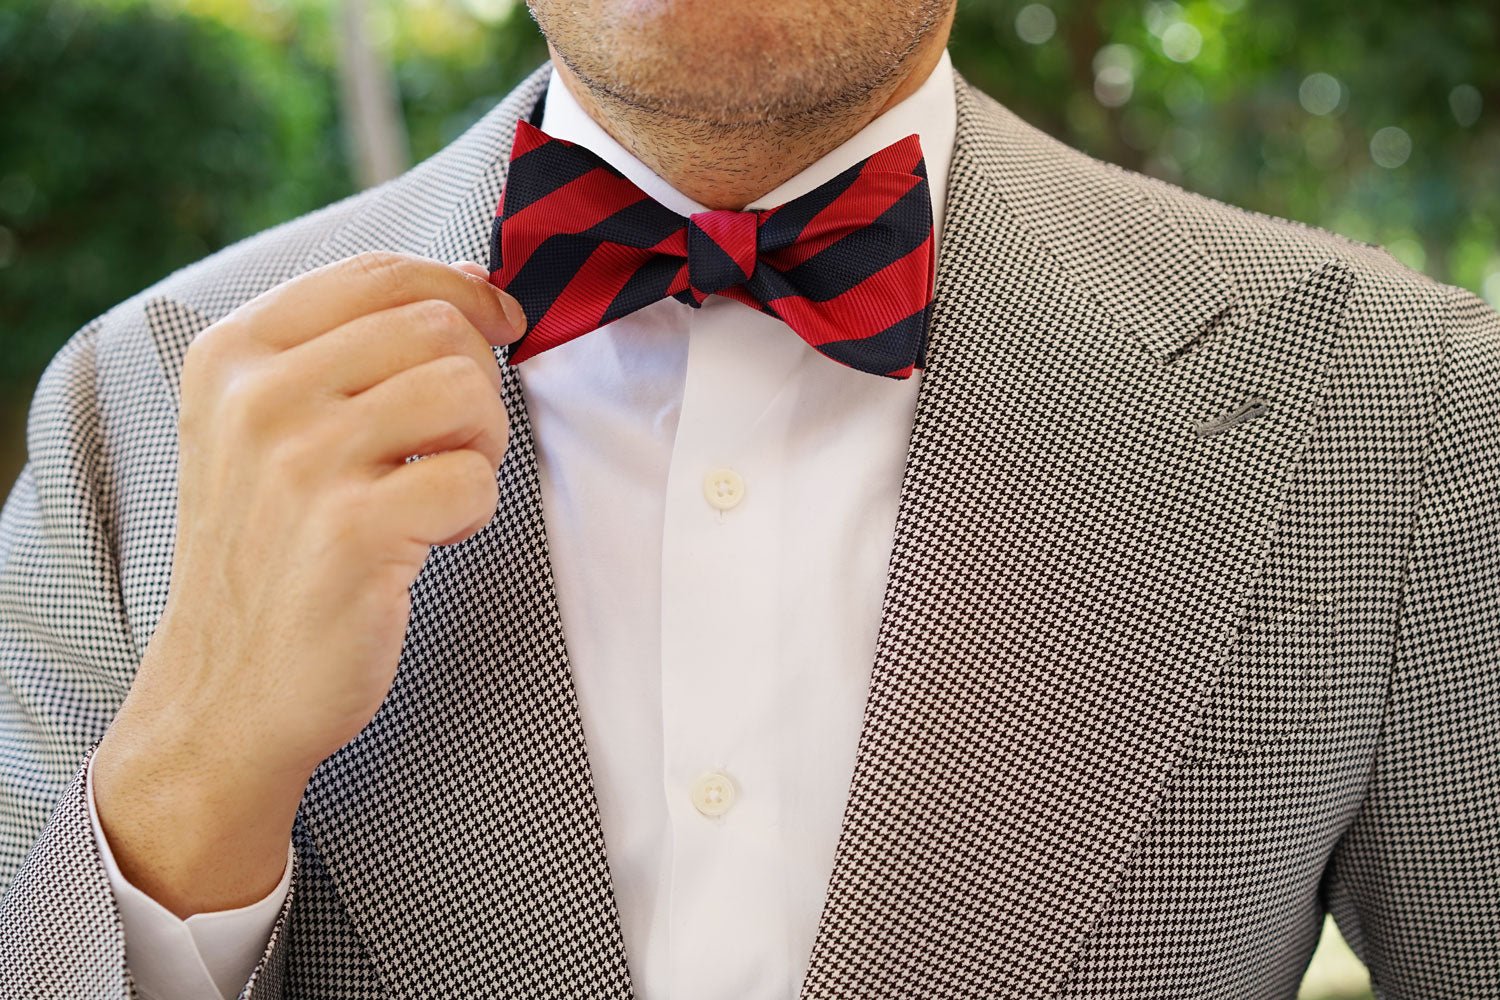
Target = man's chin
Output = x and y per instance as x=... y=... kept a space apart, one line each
x=733 y=62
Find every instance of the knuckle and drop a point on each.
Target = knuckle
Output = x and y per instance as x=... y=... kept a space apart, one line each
x=461 y=375
x=456 y=374
x=246 y=403
x=447 y=323
x=208 y=352
x=385 y=268
x=297 y=456
x=478 y=382
x=477 y=476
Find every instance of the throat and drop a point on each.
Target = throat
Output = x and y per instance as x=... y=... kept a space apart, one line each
x=729 y=164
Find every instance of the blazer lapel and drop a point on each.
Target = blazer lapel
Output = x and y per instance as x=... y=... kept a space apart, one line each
x=1071 y=559
x=460 y=828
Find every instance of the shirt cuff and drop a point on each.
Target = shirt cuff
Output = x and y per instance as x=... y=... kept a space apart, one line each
x=208 y=954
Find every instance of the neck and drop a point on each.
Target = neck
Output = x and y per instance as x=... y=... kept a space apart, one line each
x=728 y=167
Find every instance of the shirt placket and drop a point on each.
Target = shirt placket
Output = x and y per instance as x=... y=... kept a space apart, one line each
x=721 y=571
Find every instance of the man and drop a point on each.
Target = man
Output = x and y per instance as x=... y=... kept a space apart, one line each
x=728 y=638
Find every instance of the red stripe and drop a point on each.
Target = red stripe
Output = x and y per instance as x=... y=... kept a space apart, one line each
x=734 y=233
x=899 y=157
x=581 y=305
x=529 y=137
x=674 y=244
x=887 y=296
x=576 y=206
x=870 y=195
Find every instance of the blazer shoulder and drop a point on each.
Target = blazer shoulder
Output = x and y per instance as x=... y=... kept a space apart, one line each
x=1173 y=248
x=1266 y=252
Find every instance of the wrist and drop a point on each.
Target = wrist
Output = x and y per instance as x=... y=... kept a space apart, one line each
x=192 y=829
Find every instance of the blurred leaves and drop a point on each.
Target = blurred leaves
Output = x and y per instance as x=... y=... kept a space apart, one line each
x=1377 y=120
x=131 y=142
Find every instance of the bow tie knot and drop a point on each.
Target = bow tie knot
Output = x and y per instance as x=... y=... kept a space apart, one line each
x=721 y=248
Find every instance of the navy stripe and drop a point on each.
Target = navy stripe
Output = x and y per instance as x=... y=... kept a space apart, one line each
x=648 y=284
x=710 y=268
x=642 y=225
x=542 y=278
x=782 y=228
x=768 y=284
x=547 y=272
x=853 y=258
x=537 y=173
x=898 y=345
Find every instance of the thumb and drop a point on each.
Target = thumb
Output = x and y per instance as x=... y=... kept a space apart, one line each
x=513 y=310
x=478 y=270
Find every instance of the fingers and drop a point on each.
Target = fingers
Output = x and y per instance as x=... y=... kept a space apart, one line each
x=442 y=404
x=319 y=300
x=370 y=349
x=439 y=499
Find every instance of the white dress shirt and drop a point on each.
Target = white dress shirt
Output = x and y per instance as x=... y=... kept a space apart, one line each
x=720 y=502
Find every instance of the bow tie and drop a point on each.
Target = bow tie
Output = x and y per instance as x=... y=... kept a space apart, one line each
x=848 y=266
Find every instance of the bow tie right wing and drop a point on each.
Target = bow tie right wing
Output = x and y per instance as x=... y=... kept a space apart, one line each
x=850 y=265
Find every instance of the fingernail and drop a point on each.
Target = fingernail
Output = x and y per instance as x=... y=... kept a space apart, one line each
x=513 y=311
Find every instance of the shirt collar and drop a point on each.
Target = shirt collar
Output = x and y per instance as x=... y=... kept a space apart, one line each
x=930 y=111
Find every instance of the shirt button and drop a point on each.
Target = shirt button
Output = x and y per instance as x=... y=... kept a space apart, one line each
x=713 y=794
x=723 y=488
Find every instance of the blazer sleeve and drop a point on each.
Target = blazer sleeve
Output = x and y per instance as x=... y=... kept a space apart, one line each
x=67 y=657
x=1414 y=884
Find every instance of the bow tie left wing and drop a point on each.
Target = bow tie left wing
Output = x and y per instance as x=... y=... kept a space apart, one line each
x=577 y=243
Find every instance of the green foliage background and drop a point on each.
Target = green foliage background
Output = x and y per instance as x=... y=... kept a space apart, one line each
x=139 y=135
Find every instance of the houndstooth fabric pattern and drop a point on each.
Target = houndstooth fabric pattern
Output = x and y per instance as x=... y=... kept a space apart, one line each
x=1190 y=634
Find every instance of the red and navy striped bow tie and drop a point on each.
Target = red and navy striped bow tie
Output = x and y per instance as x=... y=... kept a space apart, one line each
x=848 y=266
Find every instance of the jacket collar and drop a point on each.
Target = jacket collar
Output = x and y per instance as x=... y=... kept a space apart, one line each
x=1108 y=229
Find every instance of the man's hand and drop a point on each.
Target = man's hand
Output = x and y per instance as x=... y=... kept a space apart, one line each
x=300 y=528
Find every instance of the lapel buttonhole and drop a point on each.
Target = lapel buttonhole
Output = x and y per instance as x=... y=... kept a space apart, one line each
x=1248 y=410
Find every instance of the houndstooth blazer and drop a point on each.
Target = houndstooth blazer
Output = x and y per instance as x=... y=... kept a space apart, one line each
x=1192 y=631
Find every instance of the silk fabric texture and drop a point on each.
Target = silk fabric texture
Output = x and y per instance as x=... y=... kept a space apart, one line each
x=848 y=265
